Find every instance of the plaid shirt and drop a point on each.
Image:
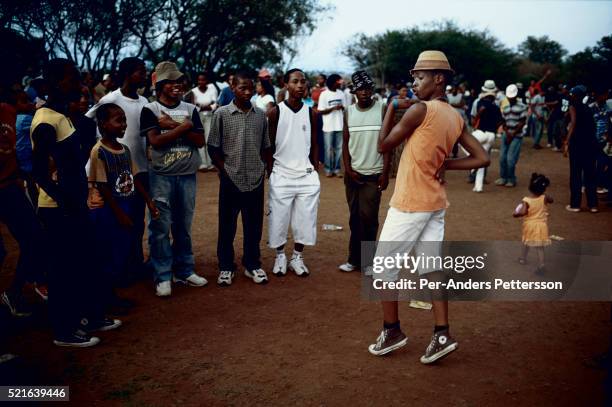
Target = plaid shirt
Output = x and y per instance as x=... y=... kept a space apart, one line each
x=241 y=137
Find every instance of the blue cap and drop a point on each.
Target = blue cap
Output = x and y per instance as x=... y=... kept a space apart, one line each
x=578 y=90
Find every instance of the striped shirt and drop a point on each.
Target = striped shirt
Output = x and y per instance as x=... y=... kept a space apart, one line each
x=363 y=127
x=513 y=115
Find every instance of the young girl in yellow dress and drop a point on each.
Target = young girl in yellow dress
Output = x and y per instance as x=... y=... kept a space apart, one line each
x=535 y=219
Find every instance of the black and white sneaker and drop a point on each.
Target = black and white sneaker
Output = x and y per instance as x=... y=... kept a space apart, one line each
x=15 y=305
x=389 y=340
x=440 y=346
x=225 y=278
x=100 y=325
x=77 y=339
x=258 y=276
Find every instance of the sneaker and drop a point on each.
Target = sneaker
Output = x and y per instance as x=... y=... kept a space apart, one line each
x=258 y=276
x=163 y=289
x=100 y=325
x=602 y=190
x=280 y=265
x=388 y=341
x=593 y=210
x=78 y=339
x=540 y=270
x=477 y=189
x=347 y=267
x=420 y=304
x=42 y=291
x=556 y=149
x=570 y=209
x=522 y=260
x=297 y=265
x=548 y=145
x=329 y=174
x=440 y=346
x=510 y=184
x=14 y=305
x=193 y=280
x=500 y=182
x=339 y=175
x=225 y=278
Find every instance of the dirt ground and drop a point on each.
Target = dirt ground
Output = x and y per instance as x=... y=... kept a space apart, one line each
x=304 y=341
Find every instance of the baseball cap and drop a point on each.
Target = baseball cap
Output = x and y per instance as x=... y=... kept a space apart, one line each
x=361 y=80
x=511 y=91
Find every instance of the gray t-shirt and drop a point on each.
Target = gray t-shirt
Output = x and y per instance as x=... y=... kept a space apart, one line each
x=180 y=157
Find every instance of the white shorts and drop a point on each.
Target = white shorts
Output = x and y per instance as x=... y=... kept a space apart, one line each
x=295 y=201
x=404 y=231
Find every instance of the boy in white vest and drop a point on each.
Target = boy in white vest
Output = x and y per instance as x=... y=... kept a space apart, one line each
x=294 y=181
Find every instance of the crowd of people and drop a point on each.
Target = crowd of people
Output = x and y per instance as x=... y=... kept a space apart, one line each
x=86 y=169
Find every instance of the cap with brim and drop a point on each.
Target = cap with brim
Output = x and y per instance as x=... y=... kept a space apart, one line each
x=511 y=91
x=432 y=61
x=578 y=90
x=361 y=80
x=167 y=71
x=487 y=93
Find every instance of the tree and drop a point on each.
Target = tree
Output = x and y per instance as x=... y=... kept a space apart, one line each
x=592 y=66
x=542 y=50
x=199 y=34
x=474 y=55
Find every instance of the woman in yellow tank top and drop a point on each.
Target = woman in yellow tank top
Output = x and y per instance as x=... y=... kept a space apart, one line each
x=535 y=219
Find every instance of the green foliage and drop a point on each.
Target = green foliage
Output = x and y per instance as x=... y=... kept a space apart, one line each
x=542 y=50
x=474 y=55
x=592 y=66
x=207 y=35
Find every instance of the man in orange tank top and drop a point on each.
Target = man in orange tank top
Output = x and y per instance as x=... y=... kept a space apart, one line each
x=416 y=217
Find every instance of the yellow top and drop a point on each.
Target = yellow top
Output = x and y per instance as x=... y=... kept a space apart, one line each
x=535 y=222
x=63 y=129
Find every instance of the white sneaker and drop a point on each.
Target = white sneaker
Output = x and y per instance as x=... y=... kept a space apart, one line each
x=163 y=289
x=258 y=276
x=193 y=280
x=280 y=265
x=297 y=265
x=225 y=278
x=347 y=267
x=477 y=189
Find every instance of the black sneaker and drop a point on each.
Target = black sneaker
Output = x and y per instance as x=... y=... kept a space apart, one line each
x=14 y=305
x=77 y=339
x=100 y=325
x=441 y=345
x=388 y=341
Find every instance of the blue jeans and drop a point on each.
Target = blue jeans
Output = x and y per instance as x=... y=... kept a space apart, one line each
x=508 y=157
x=535 y=127
x=175 y=197
x=333 y=151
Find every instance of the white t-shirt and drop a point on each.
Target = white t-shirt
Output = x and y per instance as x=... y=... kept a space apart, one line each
x=208 y=98
x=333 y=121
x=348 y=97
x=263 y=101
x=132 y=138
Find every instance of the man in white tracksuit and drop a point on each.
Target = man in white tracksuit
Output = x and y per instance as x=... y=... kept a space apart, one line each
x=294 y=181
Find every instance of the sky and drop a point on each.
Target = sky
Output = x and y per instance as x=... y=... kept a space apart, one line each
x=574 y=24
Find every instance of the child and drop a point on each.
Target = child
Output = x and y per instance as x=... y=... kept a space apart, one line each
x=239 y=146
x=535 y=225
x=112 y=189
x=174 y=133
